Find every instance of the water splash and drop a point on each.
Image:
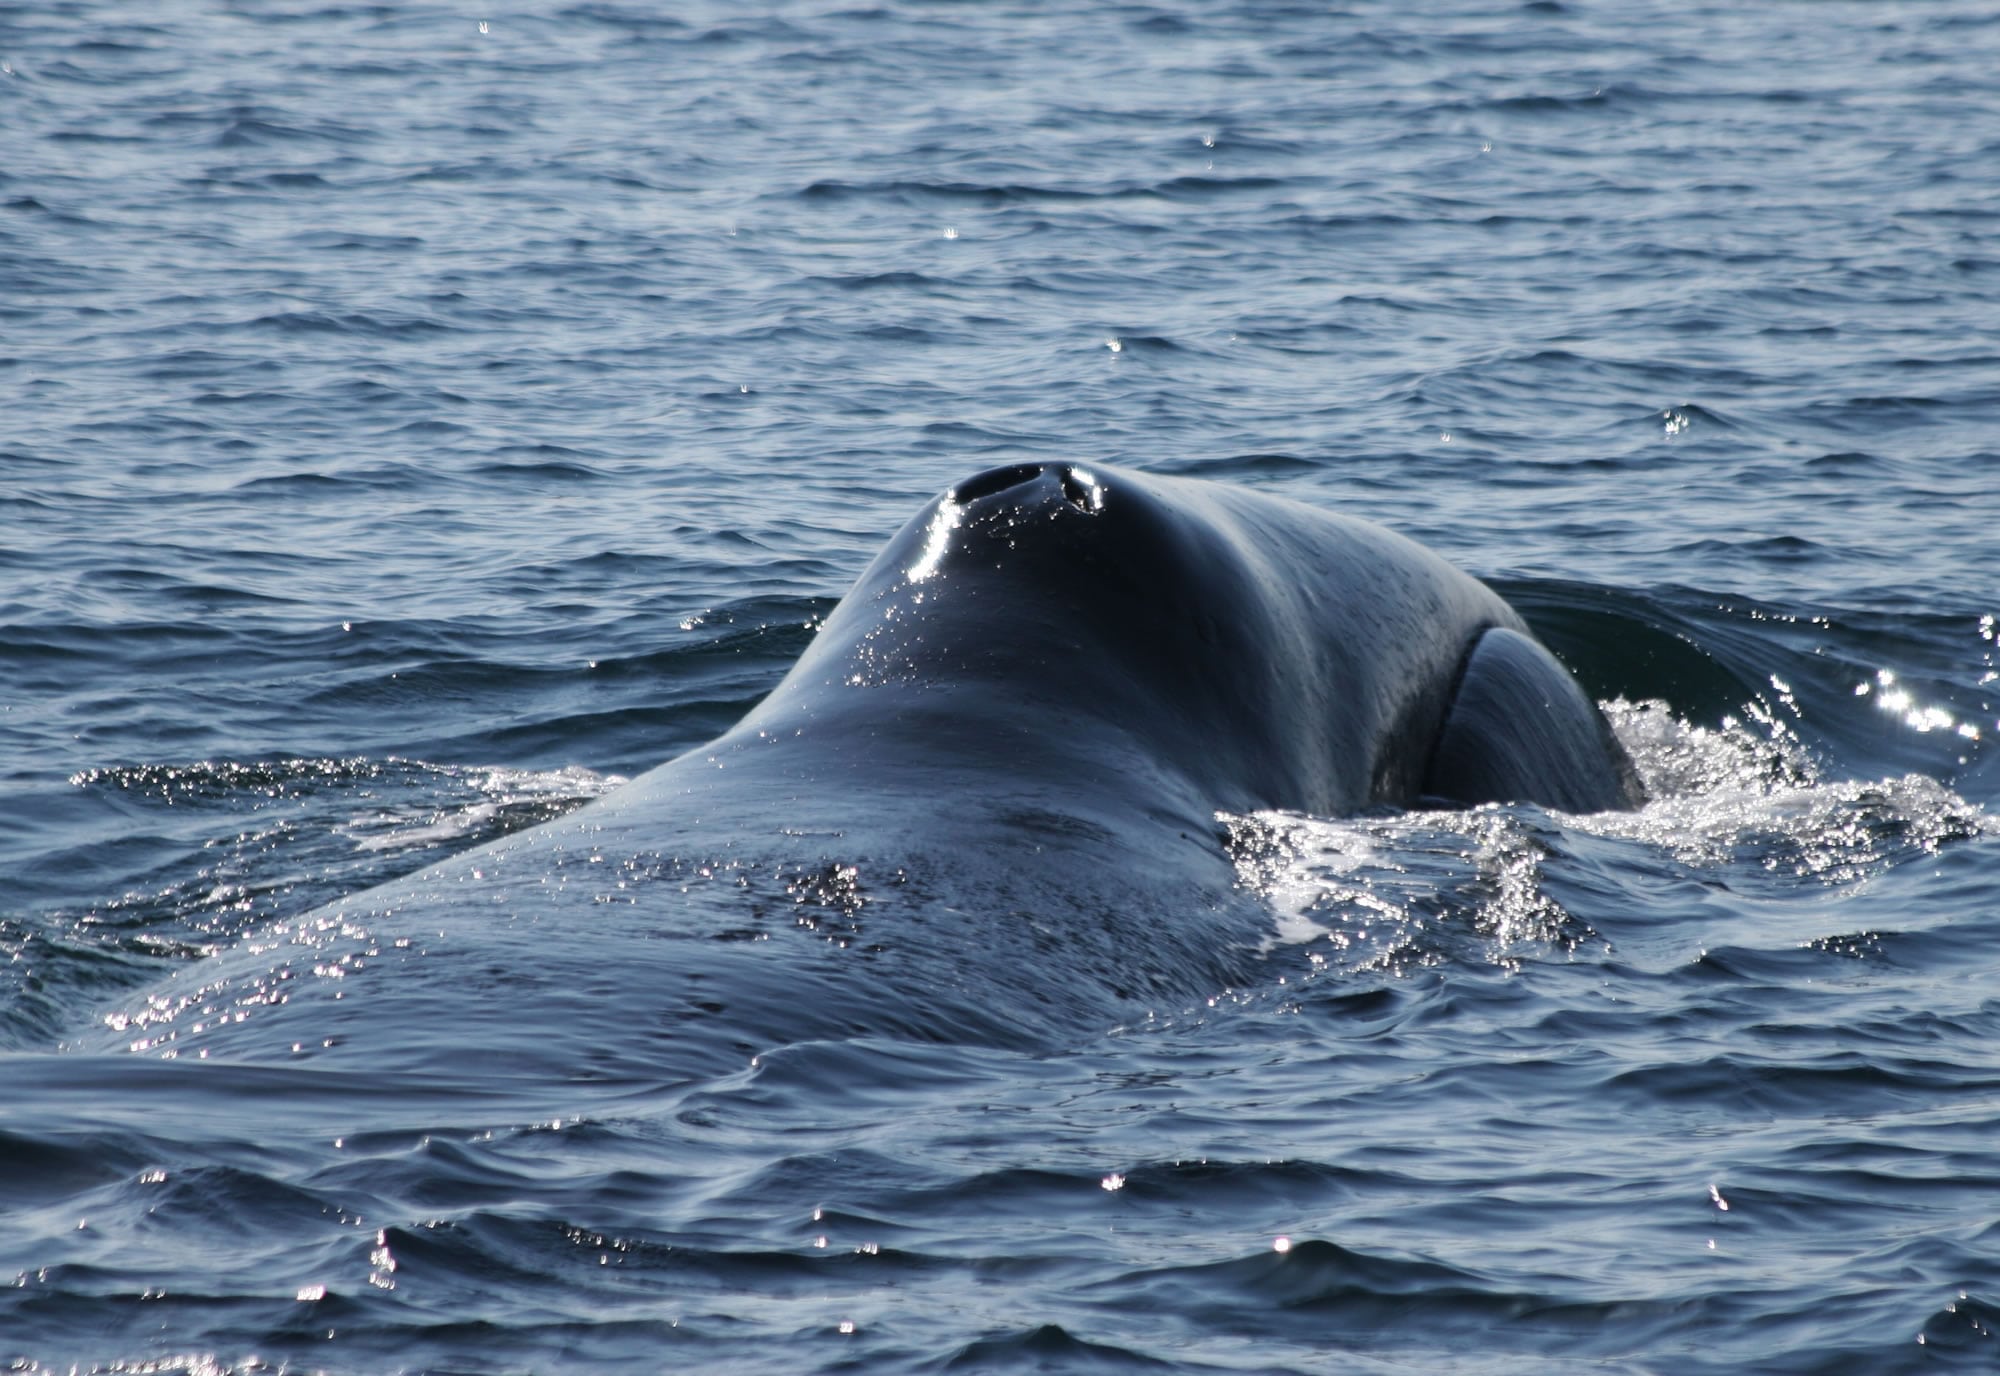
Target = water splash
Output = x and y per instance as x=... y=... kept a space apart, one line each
x=1396 y=892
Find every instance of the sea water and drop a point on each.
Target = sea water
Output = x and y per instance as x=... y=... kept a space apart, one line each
x=415 y=419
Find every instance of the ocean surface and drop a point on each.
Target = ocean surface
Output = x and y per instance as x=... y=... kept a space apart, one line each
x=414 y=420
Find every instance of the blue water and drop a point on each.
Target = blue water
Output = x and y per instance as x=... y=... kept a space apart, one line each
x=412 y=422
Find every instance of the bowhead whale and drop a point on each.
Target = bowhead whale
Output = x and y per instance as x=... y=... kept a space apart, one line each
x=982 y=806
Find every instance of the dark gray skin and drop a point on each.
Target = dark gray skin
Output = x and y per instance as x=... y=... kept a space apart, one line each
x=1060 y=634
x=982 y=807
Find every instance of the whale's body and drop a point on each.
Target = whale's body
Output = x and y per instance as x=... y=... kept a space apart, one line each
x=981 y=807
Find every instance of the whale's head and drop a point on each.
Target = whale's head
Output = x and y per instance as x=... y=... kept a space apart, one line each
x=1057 y=610
x=1060 y=620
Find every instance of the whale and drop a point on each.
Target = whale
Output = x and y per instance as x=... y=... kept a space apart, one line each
x=985 y=805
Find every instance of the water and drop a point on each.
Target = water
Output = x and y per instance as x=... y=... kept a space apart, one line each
x=411 y=428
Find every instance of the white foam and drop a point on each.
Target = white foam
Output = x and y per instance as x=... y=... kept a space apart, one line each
x=1361 y=892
